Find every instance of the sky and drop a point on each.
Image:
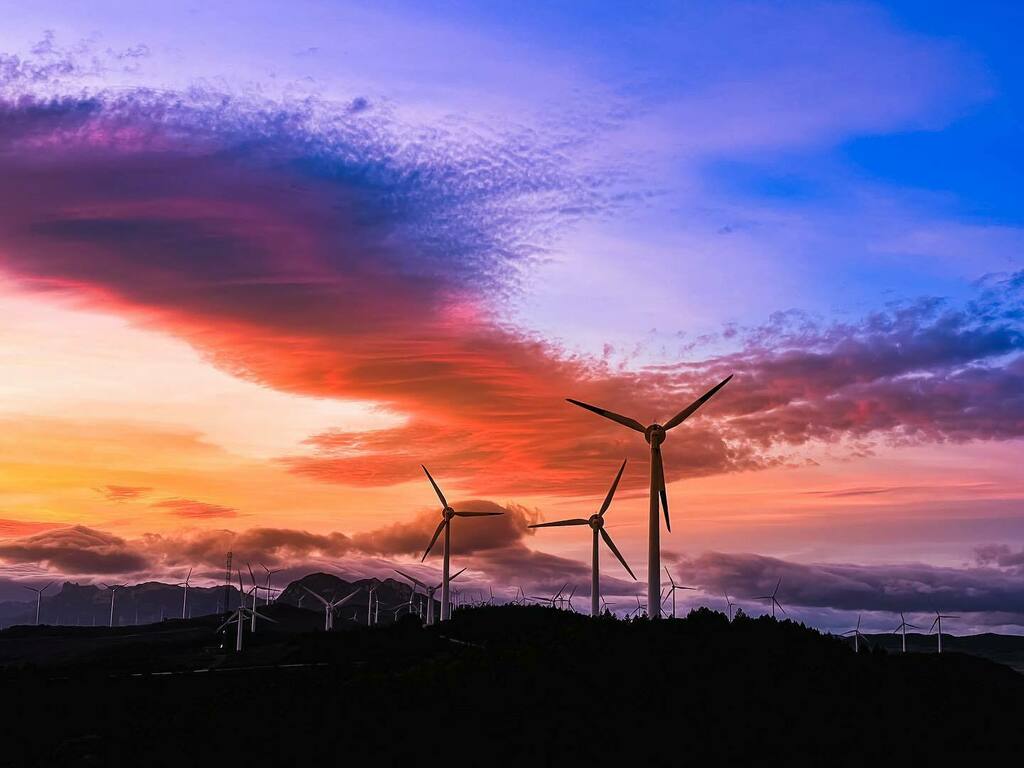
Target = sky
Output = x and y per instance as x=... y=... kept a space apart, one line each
x=260 y=261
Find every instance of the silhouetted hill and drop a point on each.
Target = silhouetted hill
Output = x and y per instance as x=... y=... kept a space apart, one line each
x=392 y=594
x=509 y=685
x=89 y=605
x=1004 y=649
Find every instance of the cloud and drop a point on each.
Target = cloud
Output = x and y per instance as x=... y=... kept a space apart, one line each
x=195 y=509
x=903 y=587
x=338 y=254
x=122 y=492
x=77 y=549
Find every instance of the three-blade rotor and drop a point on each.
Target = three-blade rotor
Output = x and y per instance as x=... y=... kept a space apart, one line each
x=655 y=436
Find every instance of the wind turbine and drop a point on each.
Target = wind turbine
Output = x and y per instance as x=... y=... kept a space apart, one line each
x=269 y=574
x=39 y=597
x=672 y=591
x=640 y=608
x=729 y=605
x=553 y=600
x=655 y=435
x=606 y=606
x=447 y=513
x=184 y=597
x=113 y=589
x=902 y=628
x=772 y=598
x=596 y=523
x=369 y=605
x=239 y=615
x=430 y=592
x=938 y=621
x=568 y=600
x=330 y=606
x=857 y=636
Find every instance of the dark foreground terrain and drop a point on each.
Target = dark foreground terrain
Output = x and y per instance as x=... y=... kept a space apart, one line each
x=499 y=685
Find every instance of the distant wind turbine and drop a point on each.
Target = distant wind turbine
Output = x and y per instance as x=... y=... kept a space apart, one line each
x=673 y=589
x=240 y=614
x=184 y=597
x=596 y=523
x=553 y=600
x=857 y=636
x=729 y=605
x=902 y=629
x=655 y=435
x=330 y=606
x=430 y=592
x=938 y=622
x=269 y=574
x=772 y=597
x=39 y=598
x=447 y=513
x=113 y=590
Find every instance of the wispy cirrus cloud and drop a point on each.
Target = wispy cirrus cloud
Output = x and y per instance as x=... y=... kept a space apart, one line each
x=191 y=508
x=123 y=492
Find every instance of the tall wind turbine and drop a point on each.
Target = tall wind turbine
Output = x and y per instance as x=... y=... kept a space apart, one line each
x=39 y=598
x=729 y=605
x=184 y=597
x=857 y=636
x=596 y=523
x=772 y=597
x=330 y=606
x=447 y=513
x=902 y=628
x=938 y=621
x=673 y=589
x=113 y=589
x=655 y=435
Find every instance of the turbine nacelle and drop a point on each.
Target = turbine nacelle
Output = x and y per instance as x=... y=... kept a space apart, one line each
x=655 y=435
x=596 y=522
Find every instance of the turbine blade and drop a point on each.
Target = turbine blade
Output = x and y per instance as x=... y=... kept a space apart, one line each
x=413 y=579
x=684 y=414
x=345 y=599
x=453 y=578
x=444 y=502
x=615 y=551
x=573 y=521
x=623 y=420
x=478 y=514
x=440 y=527
x=611 y=491
x=659 y=483
x=933 y=625
x=670 y=579
x=314 y=594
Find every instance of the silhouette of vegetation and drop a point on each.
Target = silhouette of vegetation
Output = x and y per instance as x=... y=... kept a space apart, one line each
x=501 y=685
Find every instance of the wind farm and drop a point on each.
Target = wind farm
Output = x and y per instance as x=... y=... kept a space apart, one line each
x=532 y=383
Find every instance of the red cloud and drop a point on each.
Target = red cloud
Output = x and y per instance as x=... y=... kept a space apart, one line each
x=122 y=492
x=318 y=261
x=195 y=509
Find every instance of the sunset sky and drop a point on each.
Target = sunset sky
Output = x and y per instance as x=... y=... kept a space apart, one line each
x=260 y=260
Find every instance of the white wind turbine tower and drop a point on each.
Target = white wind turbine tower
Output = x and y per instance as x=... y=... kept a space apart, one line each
x=596 y=523
x=902 y=629
x=330 y=606
x=447 y=513
x=39 y=598
x=673 y=589
x=655 y=435
x=857 y=636
x=113 y=590
x=729 y=605
x=184 y=597
x=772 y=597
x=938 y=622
x=240 y=614
x=369 y=605
x=269 y=574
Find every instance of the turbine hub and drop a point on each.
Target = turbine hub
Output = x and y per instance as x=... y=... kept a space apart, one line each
x=655 y=435
x=448 y=513
x=596 y=522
